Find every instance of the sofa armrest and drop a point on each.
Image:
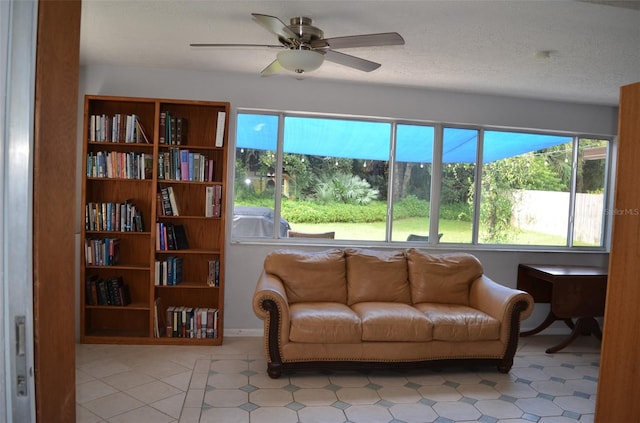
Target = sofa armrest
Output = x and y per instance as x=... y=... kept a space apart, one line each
x=499 y=301
x=270 y=304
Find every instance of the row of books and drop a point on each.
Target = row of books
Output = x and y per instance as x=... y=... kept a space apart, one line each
x=107 y=292
x=113 y=217
x=117 y=128
x=179 y=164
x=173 y=129
x=101 y=251
x=191 y=322
x=169 y=272
x=120 y=165
x=171 y=237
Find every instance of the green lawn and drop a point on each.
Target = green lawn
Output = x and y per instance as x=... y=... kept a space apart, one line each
x=453 y=231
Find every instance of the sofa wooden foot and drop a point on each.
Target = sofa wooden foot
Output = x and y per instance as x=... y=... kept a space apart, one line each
x=505 y=366
x=274 y=370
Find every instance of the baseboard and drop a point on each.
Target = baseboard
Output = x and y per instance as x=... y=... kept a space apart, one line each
x=244 y=332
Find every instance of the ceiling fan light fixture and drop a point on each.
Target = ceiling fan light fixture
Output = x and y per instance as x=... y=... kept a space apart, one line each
x=300 y=61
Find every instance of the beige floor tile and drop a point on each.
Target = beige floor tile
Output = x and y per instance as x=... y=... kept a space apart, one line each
x=113 y=405
x=416 y=412
x=315 y=396
x=262 y=380
x=85 y=416
x=551 y=387
x=310 y=380
x=225 y=397
x=227 y=381
x=180 y=381
x=161 y=369
x=128 y=380
x=229 y=366
x=439 y=393
x=498 y=409
x=104 y=368
x=576 y=404
x=478 y=391
x=399 y=394
x=368 y=414
x=190 y=415
x=171 y=406
x=456 y=410
x=274 y=415
x=358 y=395
x=322 y=414
x=94 y=389
x=224 y=415
x=271 y=397
x=539 y=407
x=349 y=380
x=143 y=415
x=194 y=398
x=152 y=392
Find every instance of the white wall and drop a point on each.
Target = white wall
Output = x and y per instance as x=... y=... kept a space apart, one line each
x=244 y=261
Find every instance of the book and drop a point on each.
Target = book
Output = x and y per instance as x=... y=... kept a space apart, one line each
x=208 y=202
x=181 y=240
x=222 y=117
x=175 y=210
x=91 y=293
x=169 y=321
x=184 y=165
x=165 y=202
x=181 y=124
x=159 y=323
x=210 y=170
x=141 y=135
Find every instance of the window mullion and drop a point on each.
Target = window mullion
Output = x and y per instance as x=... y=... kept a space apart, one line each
x=477 y=192
x=392 y=165
x=436 y=188
x=277 y=211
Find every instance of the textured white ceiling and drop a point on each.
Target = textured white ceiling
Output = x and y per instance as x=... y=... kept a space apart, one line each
x=470 y=46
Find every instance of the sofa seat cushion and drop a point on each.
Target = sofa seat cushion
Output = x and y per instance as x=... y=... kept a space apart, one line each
x=374 y=275
x=460 y=323
x=324 y=323
x=441 y=278
x=310 y=276
x=383 y=321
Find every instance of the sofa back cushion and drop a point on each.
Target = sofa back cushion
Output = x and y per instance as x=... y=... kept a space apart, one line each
x=442 y=278
x=310 y=276
x=377 y=276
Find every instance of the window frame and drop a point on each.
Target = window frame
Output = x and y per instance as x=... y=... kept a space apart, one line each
x=436 y=182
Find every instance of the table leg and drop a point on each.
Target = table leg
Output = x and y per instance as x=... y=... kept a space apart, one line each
x=551 y=317
x=584 y=325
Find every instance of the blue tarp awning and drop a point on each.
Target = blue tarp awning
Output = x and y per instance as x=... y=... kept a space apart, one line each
x=370 y=140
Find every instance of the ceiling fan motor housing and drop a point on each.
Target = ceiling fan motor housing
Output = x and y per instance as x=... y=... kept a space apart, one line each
x=301 y=26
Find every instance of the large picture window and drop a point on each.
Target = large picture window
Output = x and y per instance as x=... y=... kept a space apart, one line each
x=299 y=176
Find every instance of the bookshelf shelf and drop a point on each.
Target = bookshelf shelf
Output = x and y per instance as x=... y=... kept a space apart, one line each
x=122 y=187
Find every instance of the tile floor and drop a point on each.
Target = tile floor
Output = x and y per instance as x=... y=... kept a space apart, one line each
x=228 y=384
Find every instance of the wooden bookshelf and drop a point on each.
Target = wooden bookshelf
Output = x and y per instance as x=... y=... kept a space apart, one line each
x=125 y=175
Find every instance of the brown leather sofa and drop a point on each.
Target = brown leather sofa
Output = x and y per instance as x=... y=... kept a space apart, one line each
x=366 y=309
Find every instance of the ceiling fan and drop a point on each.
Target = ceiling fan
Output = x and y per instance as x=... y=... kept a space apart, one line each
x=304 y=47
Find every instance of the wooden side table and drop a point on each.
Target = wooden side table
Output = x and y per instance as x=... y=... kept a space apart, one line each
x=574 y=292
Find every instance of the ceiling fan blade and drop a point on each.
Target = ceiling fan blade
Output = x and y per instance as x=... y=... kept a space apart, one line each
x=273 y=68
x=351 y=61
x=235 y=45
x=275 y=26
x=366 y=40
